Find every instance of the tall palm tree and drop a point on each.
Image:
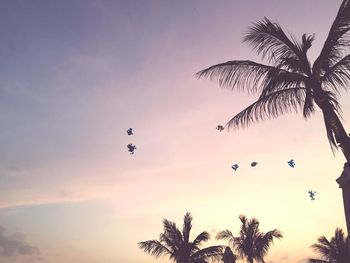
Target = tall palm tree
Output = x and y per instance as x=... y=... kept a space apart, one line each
x=332 y=251
x=251 y=244
x=177 y=246
x=289 y=82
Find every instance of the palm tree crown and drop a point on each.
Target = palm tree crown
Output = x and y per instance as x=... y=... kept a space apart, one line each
x=332 y=251
x=251 y=244
x=176 y=244
x=288 y=82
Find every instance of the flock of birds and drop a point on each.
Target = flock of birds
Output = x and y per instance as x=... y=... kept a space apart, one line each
x=131 y=148
x=291 y=163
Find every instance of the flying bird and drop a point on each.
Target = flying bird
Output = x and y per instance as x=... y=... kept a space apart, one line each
x=220 y=128
x=129 y=131
x=253 y=164
x=312 y=194
x=291 y=163
x=131 y=148
x=235 y=167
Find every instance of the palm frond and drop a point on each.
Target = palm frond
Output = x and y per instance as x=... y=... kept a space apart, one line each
x=225 y=235
x=340 y=244
x=338 y=75
x=243 y=219
x=213 y=252
x=306 y=42
x=246 y=75
x=269 y=40
x=323 y=247
x=334 y=250
x=309 y=106
x=337 y=41
x=154 y=248
x=202 y=237
x=328 y=116
x=264 y=241
x=172 y=232
x=244 y=229
x=269 y=236
x=171 y=243
x=270 y=106
x=339 y=236
x=279 y=80
x=187 y=225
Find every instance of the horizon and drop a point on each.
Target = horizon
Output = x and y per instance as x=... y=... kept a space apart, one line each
x=75 y=75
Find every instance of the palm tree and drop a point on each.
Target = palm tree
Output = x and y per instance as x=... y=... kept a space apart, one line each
x=333 y=251
x=288 y=82
x=251 y=244
x=175 y=244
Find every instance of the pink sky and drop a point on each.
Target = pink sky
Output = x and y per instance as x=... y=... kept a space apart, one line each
x=75 y=75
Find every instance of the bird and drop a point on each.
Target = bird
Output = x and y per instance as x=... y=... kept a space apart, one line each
x=129 y=131
x=235 y=167
x=312 y=194
x=291 y=163
x=131 y=148
x=253 y=164
x=220 y=128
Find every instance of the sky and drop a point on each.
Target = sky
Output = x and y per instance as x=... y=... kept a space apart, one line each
x=75 y=75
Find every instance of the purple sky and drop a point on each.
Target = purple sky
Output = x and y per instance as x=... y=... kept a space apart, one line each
x=74 y=75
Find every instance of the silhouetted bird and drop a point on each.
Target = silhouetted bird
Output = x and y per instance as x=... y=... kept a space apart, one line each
x=220 y=128
x=235 y=167
x=131 y=148
x=291 y=163
x=253 y=164
x=312 y=194
x=129 y=131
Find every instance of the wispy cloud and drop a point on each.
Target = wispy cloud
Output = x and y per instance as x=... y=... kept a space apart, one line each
x=15 y=245
x=56 y=197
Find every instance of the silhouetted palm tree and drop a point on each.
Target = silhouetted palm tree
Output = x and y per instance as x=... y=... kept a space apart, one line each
x=251 y=244
x=176 y=244
x=333 y=251
x=288 y=82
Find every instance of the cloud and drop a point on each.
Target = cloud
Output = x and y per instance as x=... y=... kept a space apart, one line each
x=15 y=245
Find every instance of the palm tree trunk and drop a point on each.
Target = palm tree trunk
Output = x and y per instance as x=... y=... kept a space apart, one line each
x=336 y=126
x=343 y=140
x=340 y=135
x=344 y=184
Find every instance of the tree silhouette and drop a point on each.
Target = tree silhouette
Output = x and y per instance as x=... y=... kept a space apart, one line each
x=332 y=251
x=288 y=82
x=228 y=256
x=176 y=245
x=251 y=244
